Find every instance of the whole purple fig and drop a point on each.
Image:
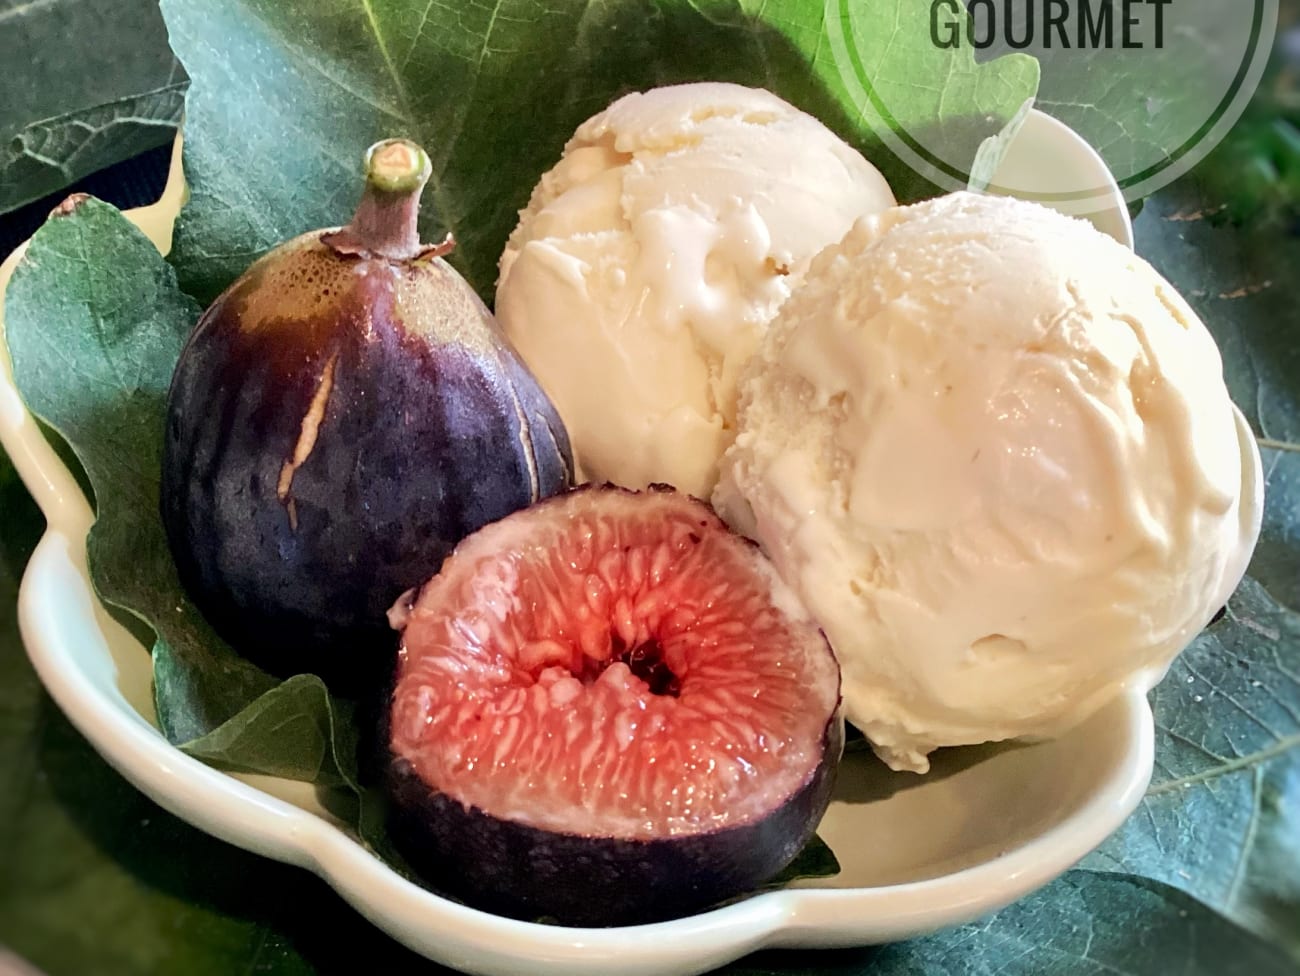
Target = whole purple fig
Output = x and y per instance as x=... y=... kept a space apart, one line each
x=342 y=416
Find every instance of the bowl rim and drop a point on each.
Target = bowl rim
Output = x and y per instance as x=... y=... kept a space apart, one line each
x=441 y=929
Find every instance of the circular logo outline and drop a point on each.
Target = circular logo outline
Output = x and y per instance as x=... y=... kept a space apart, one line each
x=837 y=13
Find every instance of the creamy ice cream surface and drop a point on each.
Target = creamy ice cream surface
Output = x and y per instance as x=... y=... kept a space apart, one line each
x=649 y=261
x=993 y=452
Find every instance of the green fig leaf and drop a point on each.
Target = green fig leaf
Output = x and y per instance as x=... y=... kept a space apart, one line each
x=94 y=323
x=281 y=110
x=1085 y=924
x=90 y=84
x=1221 y=820
x=297 y=730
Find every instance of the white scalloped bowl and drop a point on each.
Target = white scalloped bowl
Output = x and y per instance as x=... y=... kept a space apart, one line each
x=987 y=826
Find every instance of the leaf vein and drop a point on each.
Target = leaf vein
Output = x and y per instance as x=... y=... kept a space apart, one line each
x=402 y=97
x=1247 y=842
x=1231 y=766
x=1276 y=445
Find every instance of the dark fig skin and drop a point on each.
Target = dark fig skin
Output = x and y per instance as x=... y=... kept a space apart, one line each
x=513 y=869
x=337 y=422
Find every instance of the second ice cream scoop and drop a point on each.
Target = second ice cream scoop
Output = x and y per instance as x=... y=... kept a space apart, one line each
x=993 y=451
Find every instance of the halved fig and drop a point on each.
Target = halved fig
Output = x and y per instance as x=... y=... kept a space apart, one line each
x=608 y=709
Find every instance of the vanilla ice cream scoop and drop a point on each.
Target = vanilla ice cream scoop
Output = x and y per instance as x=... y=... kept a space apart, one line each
x=651 y=258
x=993 y=452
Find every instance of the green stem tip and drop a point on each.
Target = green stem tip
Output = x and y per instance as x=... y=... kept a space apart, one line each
x=397 y=166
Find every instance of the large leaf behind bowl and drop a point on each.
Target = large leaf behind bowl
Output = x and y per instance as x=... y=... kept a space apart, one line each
x=87 y=83
x=1222 y=818
x=286 y=97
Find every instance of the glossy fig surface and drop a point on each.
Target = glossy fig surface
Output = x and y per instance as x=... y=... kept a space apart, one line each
x=343 y=415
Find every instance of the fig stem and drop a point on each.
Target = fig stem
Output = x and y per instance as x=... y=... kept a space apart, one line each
x=385 y=223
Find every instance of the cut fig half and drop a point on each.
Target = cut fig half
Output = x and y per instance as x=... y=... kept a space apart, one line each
x=608 y=709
